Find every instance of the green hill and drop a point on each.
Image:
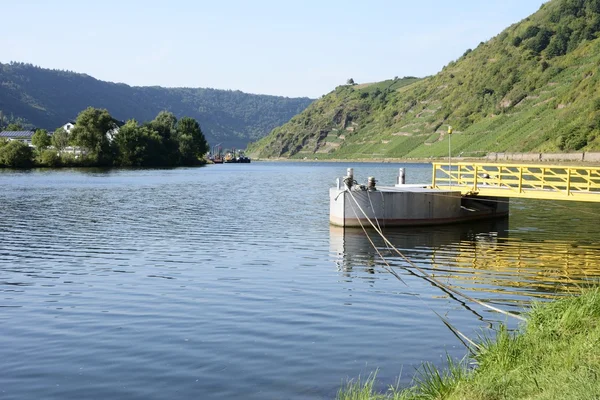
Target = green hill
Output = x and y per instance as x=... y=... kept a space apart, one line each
x=48 y=99
x=534 y=87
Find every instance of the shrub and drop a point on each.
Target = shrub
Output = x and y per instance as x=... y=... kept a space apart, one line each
x=531 y=31
x=49 y=158
x=16 y=154
x=517 y=41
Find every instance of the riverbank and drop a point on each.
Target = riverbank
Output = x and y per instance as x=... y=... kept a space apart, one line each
x=586 y=158
x=556 y=355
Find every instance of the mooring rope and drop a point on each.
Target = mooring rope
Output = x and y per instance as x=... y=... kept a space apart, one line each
x=373 y=208
x=426 y=275
x=468 y=343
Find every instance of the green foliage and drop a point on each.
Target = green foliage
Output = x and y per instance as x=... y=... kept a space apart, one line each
x=192 y=144
x=60 y=139
x=540 y=41
x=231 y=117
x=560 y=42
x=531 y=32
x=40 y=139
x=554 y=356
x=163 y=141
x=15 y=154
x=138 y=145
x=165 y=125
x=14 y=127
x=92 y=134
x=49 y=158
x=517 y=41
x=531 y=88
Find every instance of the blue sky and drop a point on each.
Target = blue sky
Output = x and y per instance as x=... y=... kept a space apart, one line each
x=302 y=48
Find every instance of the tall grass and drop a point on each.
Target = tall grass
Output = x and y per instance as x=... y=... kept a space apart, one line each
x=556 y=355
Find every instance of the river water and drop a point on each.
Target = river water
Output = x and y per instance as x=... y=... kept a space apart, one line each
x=227 y=281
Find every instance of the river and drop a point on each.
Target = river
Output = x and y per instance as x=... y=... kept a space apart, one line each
x=226 y=281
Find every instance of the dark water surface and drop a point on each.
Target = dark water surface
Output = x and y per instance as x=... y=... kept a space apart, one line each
x=227 y=281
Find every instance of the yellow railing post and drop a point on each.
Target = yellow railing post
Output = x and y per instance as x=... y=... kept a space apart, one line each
x=475 y=175
x=520 y=179
x=568 y=181
x=543 y=178
x=589 y=180
x=433 y=183
x=499 y=176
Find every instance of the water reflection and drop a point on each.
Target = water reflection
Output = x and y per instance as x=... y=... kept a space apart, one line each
x=133 y=274
x=418 y=243
x=480 y=258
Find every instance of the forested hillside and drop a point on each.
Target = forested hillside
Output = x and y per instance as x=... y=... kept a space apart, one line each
x=534 y=87
x=47 y=99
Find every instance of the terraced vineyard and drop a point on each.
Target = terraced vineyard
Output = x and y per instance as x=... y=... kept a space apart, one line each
x=533 y=87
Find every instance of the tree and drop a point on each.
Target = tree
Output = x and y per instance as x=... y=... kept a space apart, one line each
x=16 y=154
x=40 y=139
x=559 y=43
x=49 y=158
x=90 y=133
x=14 y=127
x=165 y=125
x=192 y=143
x=60 y=139
x=540 y=41
x=517 y=41
x=350 y=82
x=531 y=31
x=138 y=145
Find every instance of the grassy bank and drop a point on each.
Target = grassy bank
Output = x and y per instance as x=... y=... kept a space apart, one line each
x=556 y=355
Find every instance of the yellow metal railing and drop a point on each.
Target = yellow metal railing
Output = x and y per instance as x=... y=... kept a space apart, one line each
x=551 y=182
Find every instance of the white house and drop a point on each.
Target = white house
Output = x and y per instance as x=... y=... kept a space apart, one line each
x=69 y=126
x=112 y=133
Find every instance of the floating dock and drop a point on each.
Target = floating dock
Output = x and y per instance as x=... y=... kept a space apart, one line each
x=355 y=205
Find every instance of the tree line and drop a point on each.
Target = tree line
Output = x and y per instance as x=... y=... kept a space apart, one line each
x=100 y=140
x=28 y=94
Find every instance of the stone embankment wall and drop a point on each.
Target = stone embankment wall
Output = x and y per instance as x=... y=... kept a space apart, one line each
x=537 y=157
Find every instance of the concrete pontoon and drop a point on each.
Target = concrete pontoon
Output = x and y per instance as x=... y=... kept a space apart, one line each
x=352 y=204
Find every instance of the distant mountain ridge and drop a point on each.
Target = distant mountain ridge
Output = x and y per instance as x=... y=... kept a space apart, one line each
x=47 y=98
x=533 y=87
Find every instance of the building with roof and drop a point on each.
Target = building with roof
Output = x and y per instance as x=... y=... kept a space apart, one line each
x=22 y=136
x=69 y=126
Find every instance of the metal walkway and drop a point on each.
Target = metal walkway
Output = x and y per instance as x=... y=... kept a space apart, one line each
x=547 y=182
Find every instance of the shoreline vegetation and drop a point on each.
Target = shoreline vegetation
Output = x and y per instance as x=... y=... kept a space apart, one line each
x=430 y=160
x=99 y=140
x=555 y=355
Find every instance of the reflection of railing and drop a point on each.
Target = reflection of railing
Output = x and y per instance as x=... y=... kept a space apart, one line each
x=549 y=267
x=526 y=181
x=475 y=258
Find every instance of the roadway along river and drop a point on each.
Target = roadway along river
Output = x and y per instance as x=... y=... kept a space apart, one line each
x=227 y=282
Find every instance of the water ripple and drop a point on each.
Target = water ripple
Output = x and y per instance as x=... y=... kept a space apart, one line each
x=225 y=281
